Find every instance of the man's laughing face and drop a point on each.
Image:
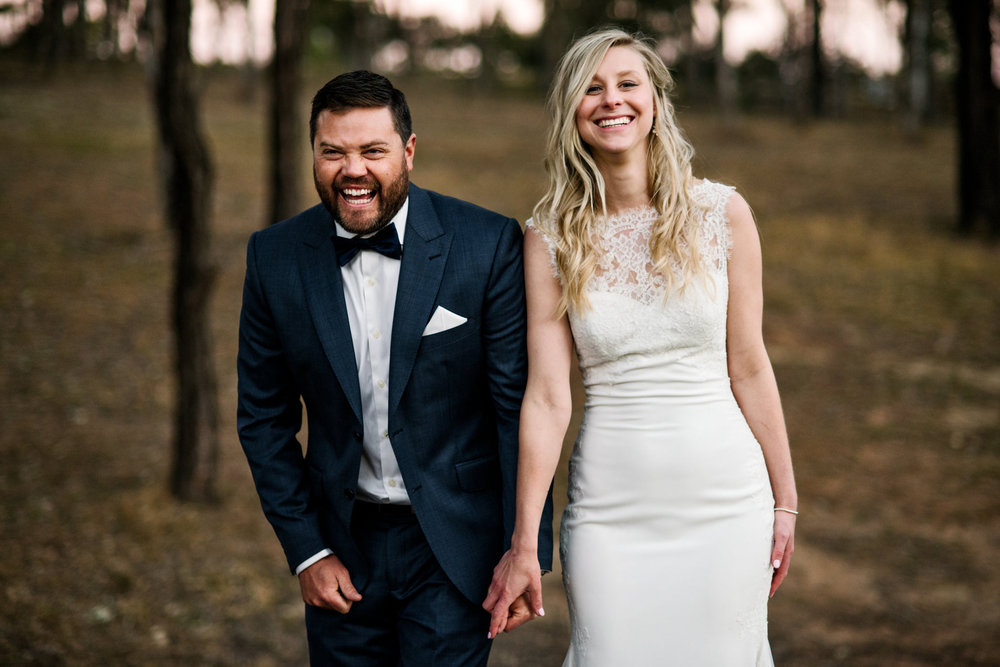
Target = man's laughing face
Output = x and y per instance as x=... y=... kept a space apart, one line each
x=361 y=167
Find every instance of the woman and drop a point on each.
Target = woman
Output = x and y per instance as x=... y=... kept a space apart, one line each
x=682 y=501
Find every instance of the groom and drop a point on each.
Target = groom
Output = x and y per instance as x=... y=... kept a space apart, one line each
x=396 y=315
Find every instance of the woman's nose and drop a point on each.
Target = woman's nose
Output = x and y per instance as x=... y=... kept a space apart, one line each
x=612 y=97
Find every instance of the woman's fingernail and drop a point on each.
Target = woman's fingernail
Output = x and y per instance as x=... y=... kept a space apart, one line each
x=489 y=635
x=541 y=612
x=777 y=564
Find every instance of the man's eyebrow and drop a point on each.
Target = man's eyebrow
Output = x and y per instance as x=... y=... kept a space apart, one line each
x=371 y=144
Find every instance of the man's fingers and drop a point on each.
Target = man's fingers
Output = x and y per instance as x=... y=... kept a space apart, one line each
x=333 y=601
x=340 y=605
x=327 y=584
x=520 y=613
x=347 y=588
x=515 y=621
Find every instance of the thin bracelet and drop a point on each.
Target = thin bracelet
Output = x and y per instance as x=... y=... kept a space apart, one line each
x=785 y=509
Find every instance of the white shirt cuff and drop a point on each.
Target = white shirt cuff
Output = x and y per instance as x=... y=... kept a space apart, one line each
x=306 y=563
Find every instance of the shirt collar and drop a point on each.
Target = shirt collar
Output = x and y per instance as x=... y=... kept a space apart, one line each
x=399 y=220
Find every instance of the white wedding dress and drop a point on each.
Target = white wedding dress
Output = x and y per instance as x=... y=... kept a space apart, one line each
x=665 y=544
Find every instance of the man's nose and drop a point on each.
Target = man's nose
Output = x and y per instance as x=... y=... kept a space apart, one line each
x=354 y=166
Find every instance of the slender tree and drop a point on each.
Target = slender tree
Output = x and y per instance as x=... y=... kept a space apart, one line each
x=726 y=85
x=817 y=93
x=978 y=117
x=53 y=37
x=566 y=20
x=918 y=63
x=188 y=182
x=284 y=121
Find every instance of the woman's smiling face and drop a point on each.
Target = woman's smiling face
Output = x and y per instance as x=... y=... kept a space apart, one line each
x=616 y=113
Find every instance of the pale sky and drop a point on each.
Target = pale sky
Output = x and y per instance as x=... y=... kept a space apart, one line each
x=859 y=29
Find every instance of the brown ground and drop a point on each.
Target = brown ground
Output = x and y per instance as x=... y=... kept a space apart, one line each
x=883 y=329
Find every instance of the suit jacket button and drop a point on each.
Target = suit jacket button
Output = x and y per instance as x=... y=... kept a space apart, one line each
x=357 y=435
x=349 y=493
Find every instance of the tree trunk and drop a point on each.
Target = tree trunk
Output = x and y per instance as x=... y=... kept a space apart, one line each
x=188 y=180
x=726 y=86
x=52 y=34
x=285 y=119
x=565 y=21
x=918 y=63
x=557 y=32
x=818 y=88
x=486 y=39
x=978 y=117
x=793 y=65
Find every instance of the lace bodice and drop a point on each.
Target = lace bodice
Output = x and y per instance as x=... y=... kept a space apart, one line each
x=634 y=329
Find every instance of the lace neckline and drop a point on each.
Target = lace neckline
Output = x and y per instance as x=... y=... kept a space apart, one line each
x=630 y=216
x=646 y=212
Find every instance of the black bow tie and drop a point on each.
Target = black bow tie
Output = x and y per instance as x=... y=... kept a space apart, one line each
x=384 y=241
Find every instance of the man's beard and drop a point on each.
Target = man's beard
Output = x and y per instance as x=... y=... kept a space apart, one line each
x=390 y=199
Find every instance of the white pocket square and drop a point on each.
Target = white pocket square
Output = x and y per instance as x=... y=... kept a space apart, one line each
x=442 y=320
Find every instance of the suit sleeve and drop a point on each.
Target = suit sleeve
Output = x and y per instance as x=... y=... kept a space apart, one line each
x=269 y=416
x=504 y=324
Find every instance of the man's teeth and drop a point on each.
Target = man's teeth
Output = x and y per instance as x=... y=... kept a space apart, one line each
x=358 y=195
x=612 y=122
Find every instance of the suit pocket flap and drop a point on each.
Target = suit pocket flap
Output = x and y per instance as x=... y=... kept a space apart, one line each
x=477 y=474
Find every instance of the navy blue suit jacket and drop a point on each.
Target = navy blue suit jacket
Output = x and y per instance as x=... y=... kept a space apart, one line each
x=454 y=396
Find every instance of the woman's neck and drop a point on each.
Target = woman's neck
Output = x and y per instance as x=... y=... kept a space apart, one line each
x=626 y=184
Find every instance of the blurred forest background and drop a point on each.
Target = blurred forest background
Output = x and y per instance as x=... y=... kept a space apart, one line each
x=135 y=161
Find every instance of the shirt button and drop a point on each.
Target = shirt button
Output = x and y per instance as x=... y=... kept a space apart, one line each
x=385 y=434
x=376 y=334
x=392 y=483
x=371 y=282
x=381 y=384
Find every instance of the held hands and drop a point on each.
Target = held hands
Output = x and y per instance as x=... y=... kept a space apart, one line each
x=520 y=613
x=327 y=584
x=784 y=545
x=515 y=594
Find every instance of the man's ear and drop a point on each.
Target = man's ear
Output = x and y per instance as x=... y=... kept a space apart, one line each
x=409 y=149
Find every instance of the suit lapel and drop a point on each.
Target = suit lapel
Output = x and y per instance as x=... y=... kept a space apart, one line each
x=425 y=254
x=325 y=296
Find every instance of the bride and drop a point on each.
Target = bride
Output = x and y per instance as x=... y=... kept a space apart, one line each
x=682 y=501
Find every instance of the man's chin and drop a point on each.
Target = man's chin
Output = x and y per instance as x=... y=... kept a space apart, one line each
x=358 y=221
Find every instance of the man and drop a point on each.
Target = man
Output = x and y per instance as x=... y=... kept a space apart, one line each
x=396 y=315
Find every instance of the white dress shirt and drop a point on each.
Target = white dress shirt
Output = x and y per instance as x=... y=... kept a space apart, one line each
x=370 y=281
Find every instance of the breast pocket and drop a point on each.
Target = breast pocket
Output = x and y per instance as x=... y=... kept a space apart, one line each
x=448 y=337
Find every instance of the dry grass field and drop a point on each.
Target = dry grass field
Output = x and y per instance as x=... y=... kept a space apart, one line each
x=884 y=330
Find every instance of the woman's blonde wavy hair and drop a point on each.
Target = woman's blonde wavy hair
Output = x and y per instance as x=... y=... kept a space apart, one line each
x=575 y=198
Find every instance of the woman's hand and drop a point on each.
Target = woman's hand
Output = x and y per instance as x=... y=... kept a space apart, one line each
x=515 y=577
x=784 y=546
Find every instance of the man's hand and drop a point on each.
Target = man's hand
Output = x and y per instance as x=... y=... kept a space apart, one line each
x=519 y=613
x=327 y=584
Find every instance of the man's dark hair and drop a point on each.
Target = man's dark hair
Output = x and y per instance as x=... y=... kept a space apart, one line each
x=362 y=89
